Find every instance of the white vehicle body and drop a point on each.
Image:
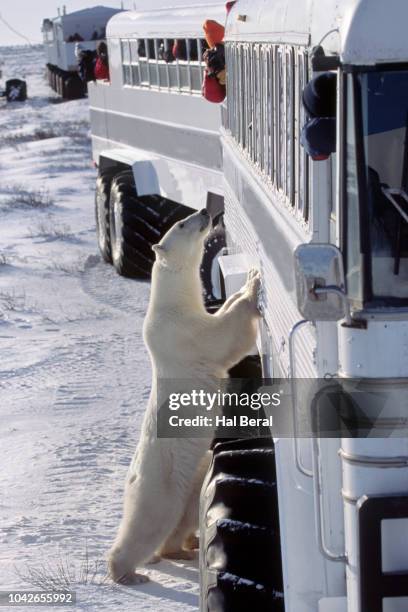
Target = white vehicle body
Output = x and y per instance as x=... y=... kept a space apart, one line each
x=85 y=22
x=271 y=208
x=157 y=122
x=275 y=200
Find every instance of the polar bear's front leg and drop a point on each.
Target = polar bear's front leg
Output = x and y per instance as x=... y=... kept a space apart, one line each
x=236 y=324
x=250 y=291
x=229 y=302
x=251 y=287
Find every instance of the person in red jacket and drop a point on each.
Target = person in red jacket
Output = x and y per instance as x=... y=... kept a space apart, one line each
x=101 y=65
x=213 y=87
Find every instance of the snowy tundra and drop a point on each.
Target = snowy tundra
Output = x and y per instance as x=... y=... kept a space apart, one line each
x=184 y=342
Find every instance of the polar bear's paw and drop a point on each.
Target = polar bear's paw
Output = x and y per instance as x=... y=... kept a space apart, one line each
x=153 y=560
x=121 y=570
x=253 y=273
x=180 y=555
x=253 y=284
x=191 y=542
x=133 y=578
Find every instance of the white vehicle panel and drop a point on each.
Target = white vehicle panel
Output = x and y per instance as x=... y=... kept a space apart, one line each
x=170 y=178
x=167 y=22
x=360 y=31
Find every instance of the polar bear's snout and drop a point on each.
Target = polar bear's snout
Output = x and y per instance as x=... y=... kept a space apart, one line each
x=200 y=221
x=205 y=219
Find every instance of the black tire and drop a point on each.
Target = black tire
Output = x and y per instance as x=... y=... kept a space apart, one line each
x=102 y=217
x=63 y=86
x=240 y=556
x=73 y=87
x=58 y=83
x=132 y=255
x=214 y=244
x=136 y=223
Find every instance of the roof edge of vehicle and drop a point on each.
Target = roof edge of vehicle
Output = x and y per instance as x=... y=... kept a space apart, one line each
x=172 y=21
x=108 y=10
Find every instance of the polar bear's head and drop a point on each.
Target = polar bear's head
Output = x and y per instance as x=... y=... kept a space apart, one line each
x=183 y=245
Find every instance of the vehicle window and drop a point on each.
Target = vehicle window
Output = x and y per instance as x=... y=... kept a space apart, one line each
x=126 y=66
x=168 y=64
x=353 y=243
x=265 y=117
x=290 y=124
x=279 y=121
x=384 y=119
x=303 y=158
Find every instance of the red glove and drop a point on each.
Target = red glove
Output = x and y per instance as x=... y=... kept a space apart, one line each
x=212 y=89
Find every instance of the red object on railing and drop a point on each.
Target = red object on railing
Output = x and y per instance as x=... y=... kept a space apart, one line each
x=212 y=89
x=101 y=70
x=229 y=5
x=214 y=32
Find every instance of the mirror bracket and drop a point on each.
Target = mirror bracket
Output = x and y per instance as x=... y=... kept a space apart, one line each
x=324 y=290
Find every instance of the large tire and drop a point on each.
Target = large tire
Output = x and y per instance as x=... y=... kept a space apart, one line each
x=58 y=83
x=53 y=79
x=63 y=86
x=73 y=87
x=215 y=243
x=136 y=223
x=102 y=217
x=240 y=556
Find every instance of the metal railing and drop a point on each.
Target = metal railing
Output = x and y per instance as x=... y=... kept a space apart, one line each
x=265 y=115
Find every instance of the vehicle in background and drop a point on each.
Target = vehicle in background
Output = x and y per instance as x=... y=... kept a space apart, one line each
x=61 y=35
x=155 y=140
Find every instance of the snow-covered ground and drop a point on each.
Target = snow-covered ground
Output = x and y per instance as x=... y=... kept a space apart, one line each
x=74 y=374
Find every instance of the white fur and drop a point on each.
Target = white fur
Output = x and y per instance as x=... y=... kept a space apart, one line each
x=184 y=342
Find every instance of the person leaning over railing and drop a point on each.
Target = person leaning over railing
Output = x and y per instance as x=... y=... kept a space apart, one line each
x=101 y=70
x=213 y=88
x=86 y=63
x=214 y=83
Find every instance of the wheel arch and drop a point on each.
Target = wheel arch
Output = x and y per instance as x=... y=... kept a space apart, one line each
x=115 y=161
x=109 y=165
x=155 y=175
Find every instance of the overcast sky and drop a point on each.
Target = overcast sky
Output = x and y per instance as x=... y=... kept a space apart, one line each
x=25 y=16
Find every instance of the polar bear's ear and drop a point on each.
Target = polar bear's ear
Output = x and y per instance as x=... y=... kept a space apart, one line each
x=159 y=249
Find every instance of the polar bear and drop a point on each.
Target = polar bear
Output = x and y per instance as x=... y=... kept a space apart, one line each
x=184 y=342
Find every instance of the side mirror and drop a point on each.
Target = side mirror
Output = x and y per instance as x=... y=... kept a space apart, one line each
x=319 y=278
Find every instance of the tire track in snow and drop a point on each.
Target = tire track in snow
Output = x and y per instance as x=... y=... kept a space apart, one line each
x=84 y=381
x=102 y=372
x=105 y=286
x=81 y=361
